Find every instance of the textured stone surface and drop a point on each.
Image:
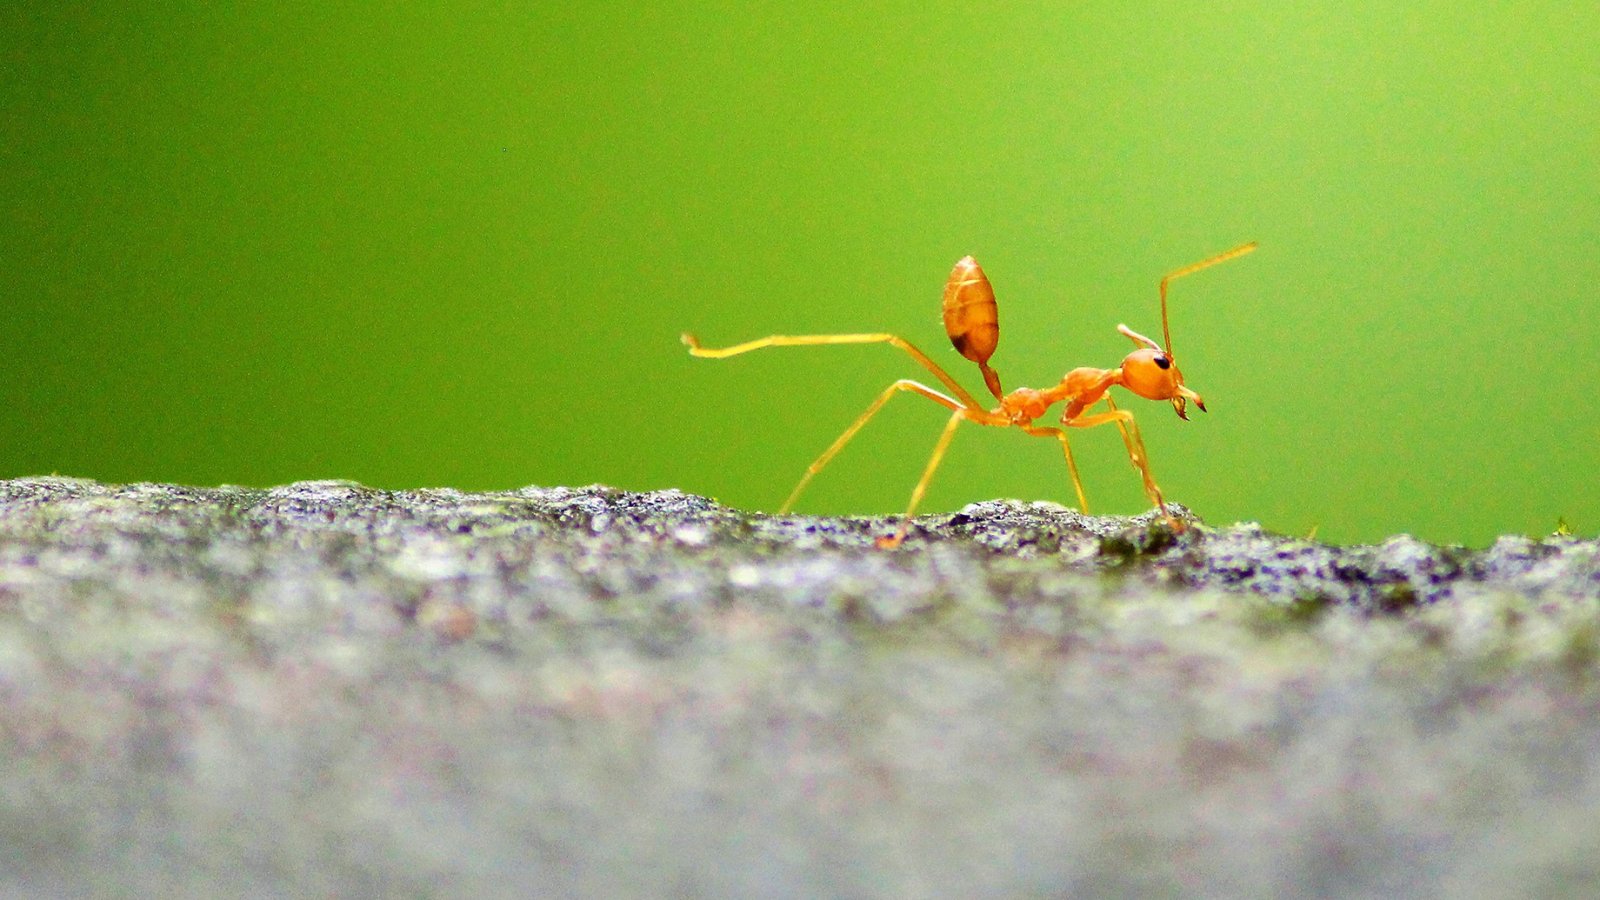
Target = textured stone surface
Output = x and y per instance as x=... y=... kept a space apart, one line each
x=325 y=688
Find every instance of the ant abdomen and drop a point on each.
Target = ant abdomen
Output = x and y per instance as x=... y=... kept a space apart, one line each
x=971 y=317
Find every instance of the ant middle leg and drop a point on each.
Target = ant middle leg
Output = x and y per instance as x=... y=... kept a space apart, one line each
x=904 y=384
x=1066 y=450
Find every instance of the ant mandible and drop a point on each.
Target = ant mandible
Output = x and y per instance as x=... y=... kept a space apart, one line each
x=971 y=319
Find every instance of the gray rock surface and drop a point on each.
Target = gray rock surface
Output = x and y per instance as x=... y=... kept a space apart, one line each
x=327 y=689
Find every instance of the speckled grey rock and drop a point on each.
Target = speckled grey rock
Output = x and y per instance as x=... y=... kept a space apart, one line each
x=328 y=689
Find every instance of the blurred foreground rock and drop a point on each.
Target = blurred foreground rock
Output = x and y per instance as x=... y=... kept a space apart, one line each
x=328 y=689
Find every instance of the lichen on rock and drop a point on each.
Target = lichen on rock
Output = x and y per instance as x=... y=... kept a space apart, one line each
x=328 y=688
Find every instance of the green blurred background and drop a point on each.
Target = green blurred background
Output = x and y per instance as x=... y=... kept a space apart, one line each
x=455 y=247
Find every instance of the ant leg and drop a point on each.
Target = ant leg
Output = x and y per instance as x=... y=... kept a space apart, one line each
x=892 y=541
x=1133 y=442
x=1066 y=450
x=833 y=450
x=806 y=340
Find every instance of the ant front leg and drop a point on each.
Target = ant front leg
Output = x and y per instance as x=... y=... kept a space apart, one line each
x=1135 y=446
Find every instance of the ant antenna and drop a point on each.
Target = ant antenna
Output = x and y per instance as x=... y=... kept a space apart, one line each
x=1224 y=256
x=1138 y=338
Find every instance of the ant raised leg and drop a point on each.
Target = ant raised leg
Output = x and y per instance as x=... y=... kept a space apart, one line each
x=827 y=456
x=809 y=340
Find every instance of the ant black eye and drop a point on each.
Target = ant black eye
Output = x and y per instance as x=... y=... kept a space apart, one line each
x=1162 y=362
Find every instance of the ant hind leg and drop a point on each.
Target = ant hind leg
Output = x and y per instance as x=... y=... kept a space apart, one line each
x=812 y=340
x=891 y=541
x=827 y=456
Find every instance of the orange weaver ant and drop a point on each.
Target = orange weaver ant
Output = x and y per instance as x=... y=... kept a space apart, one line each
x=971 y=320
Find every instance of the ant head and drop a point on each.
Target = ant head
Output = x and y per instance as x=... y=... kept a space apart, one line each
x=1151 y=373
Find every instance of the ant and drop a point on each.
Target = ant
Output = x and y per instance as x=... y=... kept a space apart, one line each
x=971 y=320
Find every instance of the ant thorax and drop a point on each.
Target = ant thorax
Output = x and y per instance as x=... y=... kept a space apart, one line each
x=1023 y=405
x=1081 y=387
